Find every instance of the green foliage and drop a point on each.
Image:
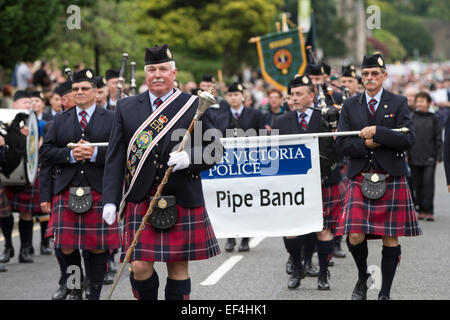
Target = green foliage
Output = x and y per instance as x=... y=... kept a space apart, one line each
x=330 y=28
x=106 y=28
x=424 y=8
x=409 y=29
x=216 y=30
x=396 y=50
x=24 y=27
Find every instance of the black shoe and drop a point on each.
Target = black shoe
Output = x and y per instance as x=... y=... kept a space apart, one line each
x=31 y=250
x=3 y=268
x=244 y=245
x=45 y=249
x=7 y=254
x=295 y=279
x=229 y=247
x=109 y=278
x=331 y=263
x=24 y=256
x=93 y=292
x=383 y=297
x=322 y=281
x=61 y=293
x=360 y=291
x=338 y=252
x=289 y=265
x=311 y=269
x=75 y=294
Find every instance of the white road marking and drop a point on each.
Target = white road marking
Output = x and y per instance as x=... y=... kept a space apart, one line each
x=220 y=272
x=255 y=241
x=229 y=264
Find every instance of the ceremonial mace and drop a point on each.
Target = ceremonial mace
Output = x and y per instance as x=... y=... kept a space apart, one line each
x=206 y=99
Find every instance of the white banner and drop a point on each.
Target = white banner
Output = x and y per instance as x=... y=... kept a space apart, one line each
x=265 y=186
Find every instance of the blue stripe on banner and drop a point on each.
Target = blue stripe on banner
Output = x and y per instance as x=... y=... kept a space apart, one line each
x=261 y=162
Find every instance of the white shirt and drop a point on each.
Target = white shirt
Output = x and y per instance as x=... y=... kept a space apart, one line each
x=308 y=113
x=239 y=111
x=377 y=97
x=153 y=98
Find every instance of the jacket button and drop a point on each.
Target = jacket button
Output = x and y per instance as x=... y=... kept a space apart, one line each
x=160 y=166
x=82 y=172
x=156 y=155
x=154 y=162
x=82 y=134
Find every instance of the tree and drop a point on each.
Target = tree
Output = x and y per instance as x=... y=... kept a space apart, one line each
x=409 y=29
x=24 y=28
x=330 y=28
x=396 y=50
x=215 y=31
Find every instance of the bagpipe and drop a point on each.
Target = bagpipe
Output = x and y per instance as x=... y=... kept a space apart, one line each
x=19 y=160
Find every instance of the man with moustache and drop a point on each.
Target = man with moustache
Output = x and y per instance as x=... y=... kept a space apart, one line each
x=101 y=98
x=349 y=79
x=377 y=155
x=142 y=146
x=79 y=172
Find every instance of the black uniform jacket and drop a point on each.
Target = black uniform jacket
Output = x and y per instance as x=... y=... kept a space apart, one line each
x=392 y=112
x=249 y=119
x=65 y=129
x=289 y=123
x=185 y=184
x=447 y=150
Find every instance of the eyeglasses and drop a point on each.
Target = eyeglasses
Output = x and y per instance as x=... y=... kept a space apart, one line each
x=373 y=73
x=84 y=89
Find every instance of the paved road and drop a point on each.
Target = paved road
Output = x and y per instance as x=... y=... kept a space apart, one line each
x=259 y=274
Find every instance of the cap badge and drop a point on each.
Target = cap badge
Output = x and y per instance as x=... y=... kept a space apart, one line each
x=89 y=74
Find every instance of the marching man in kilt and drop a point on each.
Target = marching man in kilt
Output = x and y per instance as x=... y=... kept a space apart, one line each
x=378 y=203
x=307 y=120
x=77 y=202
x=146 y=130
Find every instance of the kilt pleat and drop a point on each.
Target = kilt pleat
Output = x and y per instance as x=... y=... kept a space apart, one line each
x=81 y=231
x=392 y=215
x=191 y=238
x=26 y=201
x=333 y=199
x=5 y=209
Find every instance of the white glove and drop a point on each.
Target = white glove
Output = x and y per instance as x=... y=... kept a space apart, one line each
x=180 y=160
x=109 y=213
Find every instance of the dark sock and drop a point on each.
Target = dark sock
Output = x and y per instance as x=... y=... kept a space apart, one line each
x=178 y=289
x=96 y=274
x=310 y=244
x=145 y=289
x=25 y=232
x=325 y=252
x=389 y=261
x=360 y=253
x=62 y=266
x=7 y=224
x=73 y=259
x=43 y=231
x=337 y=241
x=294 y=247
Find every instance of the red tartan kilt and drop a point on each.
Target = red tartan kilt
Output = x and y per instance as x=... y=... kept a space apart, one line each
x=26 y=201
x=191 y=238
x=333 y=200
x=81 y=231
x=392 y=215
x=5 y=210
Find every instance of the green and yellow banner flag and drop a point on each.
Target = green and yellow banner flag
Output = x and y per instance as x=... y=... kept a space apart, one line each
x=281 y=56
